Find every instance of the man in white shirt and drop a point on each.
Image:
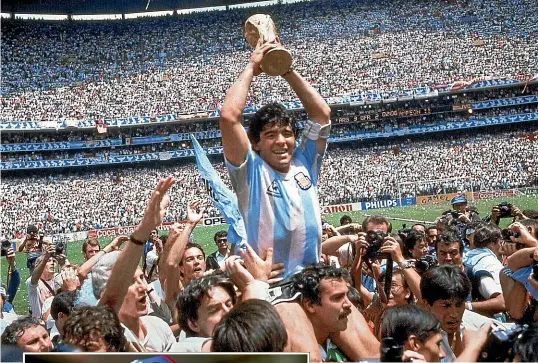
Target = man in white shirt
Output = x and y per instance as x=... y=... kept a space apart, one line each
x=40 y=285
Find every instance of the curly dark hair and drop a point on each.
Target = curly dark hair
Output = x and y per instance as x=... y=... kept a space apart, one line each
x=16 y=329
x=270 y=114
x=190 y=299
x=191 y=245
x=88 y=323
x=307 y=281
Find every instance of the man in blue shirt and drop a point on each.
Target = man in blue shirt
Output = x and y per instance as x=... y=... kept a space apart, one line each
x=276 y=187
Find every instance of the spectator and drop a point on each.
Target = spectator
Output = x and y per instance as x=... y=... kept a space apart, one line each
x=215 y=260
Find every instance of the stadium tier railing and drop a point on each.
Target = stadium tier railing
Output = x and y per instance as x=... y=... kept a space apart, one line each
x=167 y=155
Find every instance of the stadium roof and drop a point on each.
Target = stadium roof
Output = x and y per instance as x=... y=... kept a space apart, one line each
x=107 y=6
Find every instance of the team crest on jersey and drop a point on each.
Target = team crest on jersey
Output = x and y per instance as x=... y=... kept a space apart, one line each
x=274 y=190
x=303 y=181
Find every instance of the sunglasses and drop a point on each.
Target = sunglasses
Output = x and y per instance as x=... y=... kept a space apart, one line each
x=222 y=240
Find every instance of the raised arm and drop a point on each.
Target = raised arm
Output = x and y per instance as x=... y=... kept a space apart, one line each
x=87 y=266
x=38 y=270
x=173 y=253
x=234 y=137
x=124 y=269
x=314 y=105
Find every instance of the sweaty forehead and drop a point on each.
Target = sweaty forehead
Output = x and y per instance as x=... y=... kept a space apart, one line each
x=277 y=126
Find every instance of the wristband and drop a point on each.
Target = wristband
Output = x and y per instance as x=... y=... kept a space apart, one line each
x=135 y=241
x=325 y=131
x=469 y=305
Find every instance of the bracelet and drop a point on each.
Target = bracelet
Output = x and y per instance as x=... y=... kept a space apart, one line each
x=469 y=306
x=135 y=241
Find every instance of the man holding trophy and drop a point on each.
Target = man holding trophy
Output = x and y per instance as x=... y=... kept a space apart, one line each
x=276 y=185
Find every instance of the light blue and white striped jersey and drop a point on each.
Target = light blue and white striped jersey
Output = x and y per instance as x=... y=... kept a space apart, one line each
x=281 y=210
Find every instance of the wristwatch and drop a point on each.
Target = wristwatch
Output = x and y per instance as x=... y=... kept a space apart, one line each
x=404 y=265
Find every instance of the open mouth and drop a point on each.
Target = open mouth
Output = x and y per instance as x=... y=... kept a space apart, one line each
x=453 y=324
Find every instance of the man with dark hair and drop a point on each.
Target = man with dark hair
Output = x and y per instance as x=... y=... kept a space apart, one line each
x=28 y=334
x=276 y=187
x=324 y=291
x=215 y=260
x=416 y=245
x=444 y=290
x=431 y=234
x=345 y=219
x=60 y=309
x=376 y=223
x=90 y=247
x=201 y=307
x=32 y=246
x=192 y=265
x=251 y=326
x=449 y=249
x=40 y=285
x=485 y=268
x=95 y=329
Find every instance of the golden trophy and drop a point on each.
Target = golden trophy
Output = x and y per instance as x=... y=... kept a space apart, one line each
x=275 y=62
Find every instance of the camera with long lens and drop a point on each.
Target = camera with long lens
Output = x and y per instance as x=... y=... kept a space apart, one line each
x=375 y=240
x=500 y=343
x=424 y=263
x=505 y=210
x=5 y=247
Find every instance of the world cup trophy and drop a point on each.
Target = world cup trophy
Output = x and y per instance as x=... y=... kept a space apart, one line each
x=275 y=62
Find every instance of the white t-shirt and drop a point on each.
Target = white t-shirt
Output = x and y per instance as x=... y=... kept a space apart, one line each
x=37 y=294
x=159 y=336
x=151 y=259
x=189 y=345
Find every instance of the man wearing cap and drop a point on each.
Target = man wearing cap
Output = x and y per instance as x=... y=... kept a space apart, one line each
x=465 y=215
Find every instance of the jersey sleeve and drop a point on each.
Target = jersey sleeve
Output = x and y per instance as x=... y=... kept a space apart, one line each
x=307 y=152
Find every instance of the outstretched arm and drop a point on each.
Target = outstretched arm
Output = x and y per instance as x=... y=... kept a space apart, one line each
x=124 y=269
x=234 y=137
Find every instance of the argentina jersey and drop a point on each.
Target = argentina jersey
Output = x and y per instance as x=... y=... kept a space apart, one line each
x=281 y=210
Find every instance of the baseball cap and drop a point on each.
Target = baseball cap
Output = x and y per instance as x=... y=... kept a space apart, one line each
x=458 y=199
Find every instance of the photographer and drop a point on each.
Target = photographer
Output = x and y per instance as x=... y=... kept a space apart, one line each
x=32 y=246
x=462 y=214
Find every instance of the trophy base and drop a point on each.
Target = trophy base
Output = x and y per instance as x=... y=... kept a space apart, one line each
x=276 y=62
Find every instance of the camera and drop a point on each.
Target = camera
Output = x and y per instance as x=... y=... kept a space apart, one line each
x=507 y=233
x=60 y=248
x=500 y=343
x=505 y=210
x=5 y=246
x=375 y=240
x=404 y=231
x=455 y=214
x=424 y=263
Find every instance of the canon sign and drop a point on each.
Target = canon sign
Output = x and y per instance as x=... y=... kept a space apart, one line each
x=340 y=208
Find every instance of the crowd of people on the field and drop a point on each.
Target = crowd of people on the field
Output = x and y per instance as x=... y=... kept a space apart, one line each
x=156 y=66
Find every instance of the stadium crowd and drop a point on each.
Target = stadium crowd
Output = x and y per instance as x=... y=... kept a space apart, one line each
x=107 y=70
x=79 y=201
x=461 y=289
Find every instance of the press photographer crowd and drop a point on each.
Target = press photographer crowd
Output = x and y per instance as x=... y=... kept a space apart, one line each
x=279 y=277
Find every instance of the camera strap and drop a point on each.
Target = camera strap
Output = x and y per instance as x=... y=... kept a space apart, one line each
x=48 y=287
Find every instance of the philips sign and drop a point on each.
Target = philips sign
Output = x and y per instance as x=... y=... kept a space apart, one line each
x=388 y=203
